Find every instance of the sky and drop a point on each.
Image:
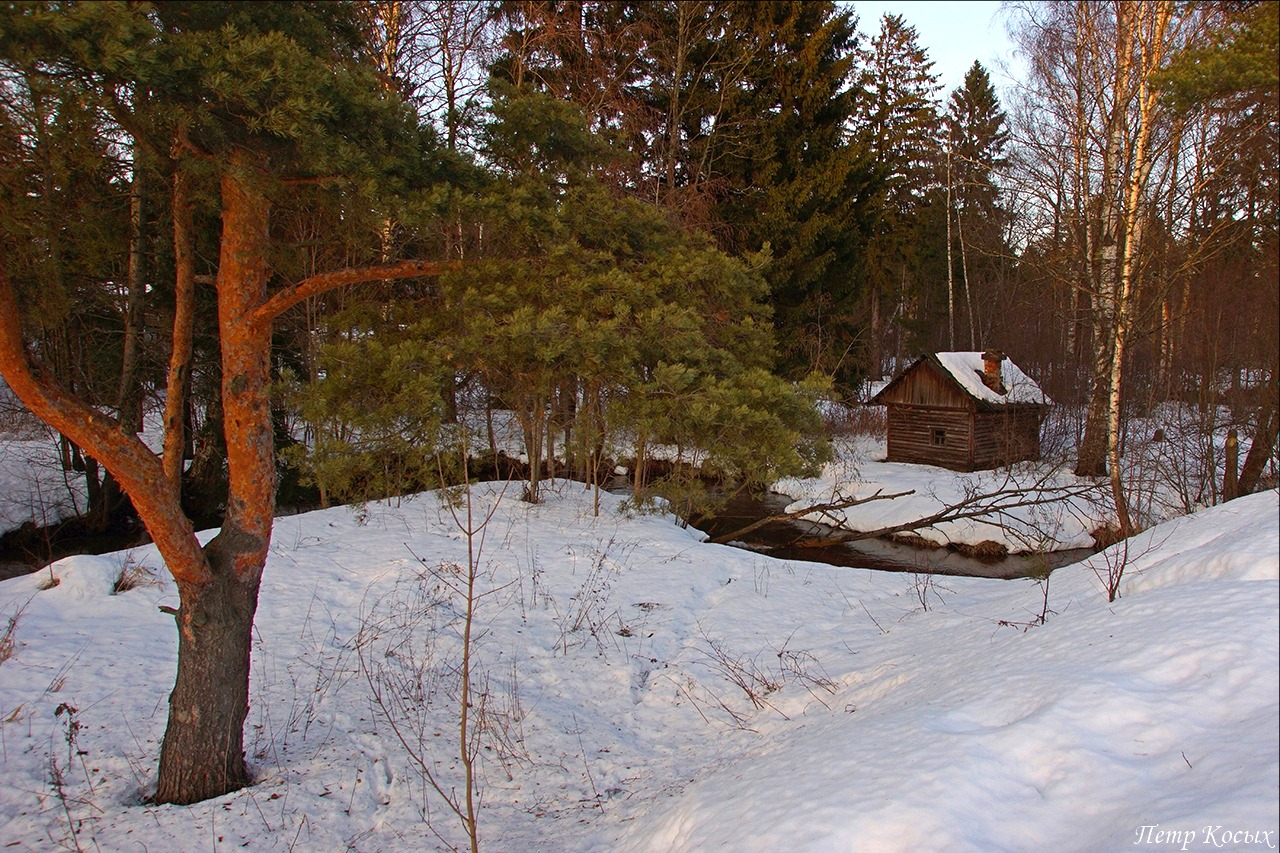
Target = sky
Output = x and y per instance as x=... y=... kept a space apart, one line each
x=954 y=34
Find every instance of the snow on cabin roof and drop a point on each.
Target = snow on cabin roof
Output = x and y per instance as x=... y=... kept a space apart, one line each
x=966 y=369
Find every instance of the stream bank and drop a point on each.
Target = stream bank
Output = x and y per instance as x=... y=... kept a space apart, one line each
x=820 y=543
x=30 y=548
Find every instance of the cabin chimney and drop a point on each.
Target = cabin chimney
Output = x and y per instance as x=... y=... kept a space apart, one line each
x=991 y=375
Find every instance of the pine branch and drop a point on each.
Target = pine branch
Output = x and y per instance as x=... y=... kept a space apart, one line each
x=282 y=300
x=132 y=463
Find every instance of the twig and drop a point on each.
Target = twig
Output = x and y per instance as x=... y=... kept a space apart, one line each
x=872 y=618
x=583 y=751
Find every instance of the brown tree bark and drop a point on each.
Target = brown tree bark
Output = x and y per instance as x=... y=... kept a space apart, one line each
x=136 y=467
x=202 y=755
x=128 y=394
x=1263 y=443
x=203 y=751
x=183 y=327
x=1231 y=477
x=1091 y=460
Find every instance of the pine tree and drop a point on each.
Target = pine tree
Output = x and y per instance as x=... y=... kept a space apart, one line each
x=264 y=94
x=603 y=302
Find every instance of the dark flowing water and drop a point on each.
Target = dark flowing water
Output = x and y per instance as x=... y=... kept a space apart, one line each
x=779 y=539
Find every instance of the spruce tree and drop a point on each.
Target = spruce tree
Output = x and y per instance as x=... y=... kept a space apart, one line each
x=737 y=119
x=794 y=180
x=976 y=136
x=899 y=121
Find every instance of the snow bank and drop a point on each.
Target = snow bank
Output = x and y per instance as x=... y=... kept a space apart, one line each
x=33 y=486
x=622 y=656
x=1159 y=709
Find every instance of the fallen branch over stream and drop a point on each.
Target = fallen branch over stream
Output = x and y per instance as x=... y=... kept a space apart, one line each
x=820 y=509
x=993 y=507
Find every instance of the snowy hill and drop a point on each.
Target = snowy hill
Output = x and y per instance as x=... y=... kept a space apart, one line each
x=646 y=691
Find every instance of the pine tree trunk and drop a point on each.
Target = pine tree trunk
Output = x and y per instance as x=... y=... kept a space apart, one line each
x=637 y=481
x=876 y=358
x=489 y=434
x=203 y=751
x=129 y=392
x=178 y=380
x=533 y=449
x=951 y=289
x=968 y=286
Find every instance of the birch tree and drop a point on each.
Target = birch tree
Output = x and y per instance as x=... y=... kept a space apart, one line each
x=1093 y=67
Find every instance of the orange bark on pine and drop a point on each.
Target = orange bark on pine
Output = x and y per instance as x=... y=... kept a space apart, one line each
x=183 y=328
x=246 y=370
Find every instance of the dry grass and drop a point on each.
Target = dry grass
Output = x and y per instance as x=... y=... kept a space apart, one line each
x=7 y=641
x=133 y=576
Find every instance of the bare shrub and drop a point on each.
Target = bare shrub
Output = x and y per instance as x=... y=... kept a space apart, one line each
x=854 y=419
x=924 y=587
x=1042 y=580
x=759 y=675
x=419 y=655
x=58 y=781
x=587 y=615
x=742 y=670
x=1109 y=567
x=420 y=663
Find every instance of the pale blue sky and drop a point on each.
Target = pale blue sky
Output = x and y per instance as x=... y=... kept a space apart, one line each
x=954 y=33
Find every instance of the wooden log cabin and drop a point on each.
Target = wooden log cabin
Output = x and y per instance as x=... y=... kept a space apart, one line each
x=966 y=411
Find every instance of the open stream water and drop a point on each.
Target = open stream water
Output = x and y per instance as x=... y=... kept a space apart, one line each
x=819 y=543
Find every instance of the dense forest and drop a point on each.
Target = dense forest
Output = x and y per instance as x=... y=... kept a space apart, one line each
x=322 y=238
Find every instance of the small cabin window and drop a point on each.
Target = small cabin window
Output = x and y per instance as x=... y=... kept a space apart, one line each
x=939 y=437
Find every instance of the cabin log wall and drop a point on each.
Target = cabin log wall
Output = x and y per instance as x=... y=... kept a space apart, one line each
x=911 y=436
x=1010 y=435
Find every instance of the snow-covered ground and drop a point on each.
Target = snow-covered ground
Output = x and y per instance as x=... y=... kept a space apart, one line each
x=33 y=486
x=647 y=691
